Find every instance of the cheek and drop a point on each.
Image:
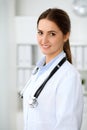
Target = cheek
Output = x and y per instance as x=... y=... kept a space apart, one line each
x=58 y=44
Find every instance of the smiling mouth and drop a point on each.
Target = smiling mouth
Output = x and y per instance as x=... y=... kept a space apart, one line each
x=45 y=46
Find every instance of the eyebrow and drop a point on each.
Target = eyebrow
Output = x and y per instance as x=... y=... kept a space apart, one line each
x=48 y=31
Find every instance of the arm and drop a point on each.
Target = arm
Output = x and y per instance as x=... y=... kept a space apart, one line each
x=69 y=104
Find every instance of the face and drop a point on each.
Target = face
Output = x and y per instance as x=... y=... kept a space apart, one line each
x=50 y=38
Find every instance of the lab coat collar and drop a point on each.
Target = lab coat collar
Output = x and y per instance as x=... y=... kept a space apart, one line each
x=41 y=63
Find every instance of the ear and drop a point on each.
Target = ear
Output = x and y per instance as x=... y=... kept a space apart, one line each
x=66 y=37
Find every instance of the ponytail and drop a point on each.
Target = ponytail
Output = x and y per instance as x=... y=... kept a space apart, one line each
x=67 y=50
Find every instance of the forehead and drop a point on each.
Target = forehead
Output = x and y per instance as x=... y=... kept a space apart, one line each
x=45 y=24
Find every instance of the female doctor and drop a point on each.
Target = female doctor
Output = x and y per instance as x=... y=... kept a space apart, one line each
x=52 y=98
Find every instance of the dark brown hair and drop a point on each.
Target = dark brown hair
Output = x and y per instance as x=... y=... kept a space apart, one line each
x=62 y=20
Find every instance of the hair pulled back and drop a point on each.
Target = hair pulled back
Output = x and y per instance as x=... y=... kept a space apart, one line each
x=62 y=20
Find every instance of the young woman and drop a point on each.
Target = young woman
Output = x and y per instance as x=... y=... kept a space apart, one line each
x=52 y=99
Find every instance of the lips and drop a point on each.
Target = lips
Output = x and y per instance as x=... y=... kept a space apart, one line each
x=45 y=46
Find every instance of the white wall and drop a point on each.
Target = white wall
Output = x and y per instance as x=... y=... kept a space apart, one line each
x=7 y=67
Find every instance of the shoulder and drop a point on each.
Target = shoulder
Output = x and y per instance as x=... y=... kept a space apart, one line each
x=71 y=69
x=69 y=74
x=70 y=79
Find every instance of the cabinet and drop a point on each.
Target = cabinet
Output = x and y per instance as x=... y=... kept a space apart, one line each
x=79 y=56
x=27 y=57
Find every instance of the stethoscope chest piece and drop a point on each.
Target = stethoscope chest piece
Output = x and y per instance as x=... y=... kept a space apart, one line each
x=33 y=102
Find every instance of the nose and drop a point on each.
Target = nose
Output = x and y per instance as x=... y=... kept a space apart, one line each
x=44 y=39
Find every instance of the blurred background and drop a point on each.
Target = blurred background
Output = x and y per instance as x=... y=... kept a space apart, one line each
x=19 y=51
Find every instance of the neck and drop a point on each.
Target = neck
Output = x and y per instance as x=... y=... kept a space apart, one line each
x=50 y=57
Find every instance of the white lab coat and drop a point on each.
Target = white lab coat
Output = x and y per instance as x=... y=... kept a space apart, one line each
x=60 y=104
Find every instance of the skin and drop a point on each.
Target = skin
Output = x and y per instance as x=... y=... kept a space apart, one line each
x=50 y=38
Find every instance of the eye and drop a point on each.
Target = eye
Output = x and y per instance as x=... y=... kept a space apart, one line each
x=40 y=32
x=52 y=34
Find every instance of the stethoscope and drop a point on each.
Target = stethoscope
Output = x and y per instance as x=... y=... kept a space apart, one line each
x=33 y=100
